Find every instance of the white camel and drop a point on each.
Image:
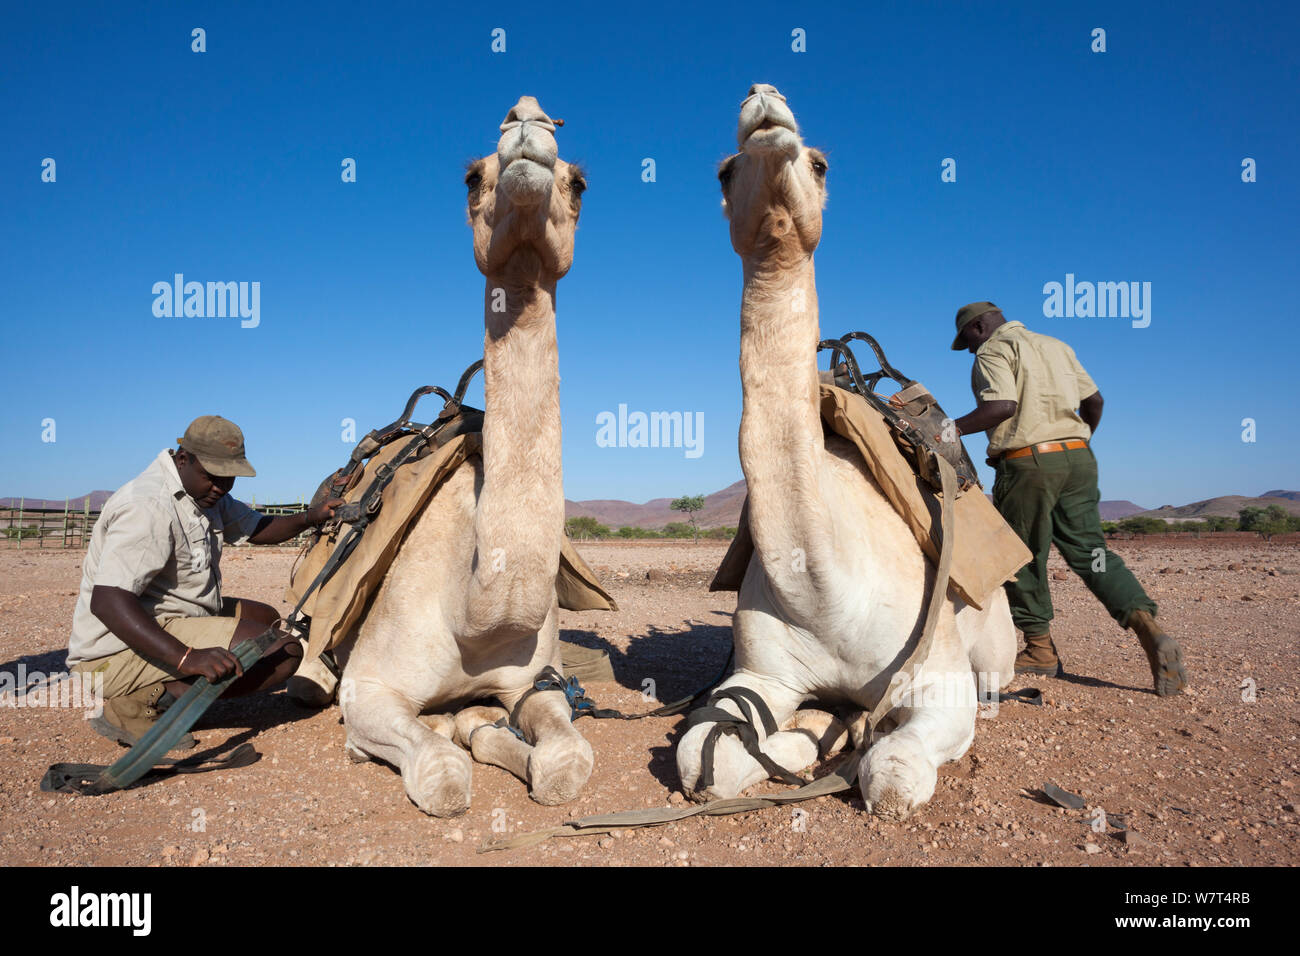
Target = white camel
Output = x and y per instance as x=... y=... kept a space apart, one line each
x=468 y=609
x=832 y=603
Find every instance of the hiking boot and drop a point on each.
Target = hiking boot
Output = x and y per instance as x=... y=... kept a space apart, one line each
x=1163 y=654
x=128 y=718
x=1039 y=656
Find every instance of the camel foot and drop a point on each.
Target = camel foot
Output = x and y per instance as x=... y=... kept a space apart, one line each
x=437 y=778
x=355 y=754
x=312 y=685
x=824 y=728
x=896 y=778
x=558 y=769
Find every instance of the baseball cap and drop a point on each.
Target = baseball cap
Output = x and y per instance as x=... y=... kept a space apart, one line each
x=218 y=444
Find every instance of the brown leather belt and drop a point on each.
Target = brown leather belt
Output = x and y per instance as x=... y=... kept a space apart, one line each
x=1046 y=446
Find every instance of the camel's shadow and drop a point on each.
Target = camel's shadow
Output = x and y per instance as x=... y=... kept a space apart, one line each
x=666 y=666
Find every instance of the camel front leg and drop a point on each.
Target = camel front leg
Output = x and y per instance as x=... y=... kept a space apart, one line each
x=491 y=744
x=935 y=724
x=560 y=759
x=734 y=769
x=383 y=724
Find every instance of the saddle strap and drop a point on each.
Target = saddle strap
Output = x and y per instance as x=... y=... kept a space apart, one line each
x=902 y=679
x=89 y=779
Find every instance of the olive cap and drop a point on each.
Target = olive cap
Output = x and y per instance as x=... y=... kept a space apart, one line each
x=967 y=314
x=218 y=444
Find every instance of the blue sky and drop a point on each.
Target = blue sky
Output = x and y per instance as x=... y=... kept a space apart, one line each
x=225 y=166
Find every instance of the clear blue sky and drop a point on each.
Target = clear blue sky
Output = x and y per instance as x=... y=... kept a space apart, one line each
x=225 y=165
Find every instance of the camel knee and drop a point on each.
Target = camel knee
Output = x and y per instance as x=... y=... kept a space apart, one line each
x=897 y=776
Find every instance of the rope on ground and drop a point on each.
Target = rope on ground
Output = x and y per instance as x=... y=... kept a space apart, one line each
x=841 y=778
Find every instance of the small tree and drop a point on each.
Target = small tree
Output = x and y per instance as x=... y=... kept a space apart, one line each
x=1266 y=522
x=690 y=504
x=585 y=527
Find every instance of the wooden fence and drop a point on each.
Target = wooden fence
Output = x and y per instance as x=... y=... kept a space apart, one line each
x=69 y=527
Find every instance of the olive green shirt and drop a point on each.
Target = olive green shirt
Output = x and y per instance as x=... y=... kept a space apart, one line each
x=1042 y=376
x=153 y=540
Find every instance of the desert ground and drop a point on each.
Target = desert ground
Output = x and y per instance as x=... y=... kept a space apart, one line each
x=1207 y=778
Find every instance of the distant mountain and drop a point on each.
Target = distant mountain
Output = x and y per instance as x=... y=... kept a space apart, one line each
x=1115 y=510
x=722 y=509
x=1293 y=495
x=97 y=499
x=1225 y=506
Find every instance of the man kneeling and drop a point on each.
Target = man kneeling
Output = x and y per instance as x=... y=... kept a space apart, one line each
x=150 y=616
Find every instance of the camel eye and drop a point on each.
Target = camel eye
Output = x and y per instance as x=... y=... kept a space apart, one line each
x=473 y=180
x=819 y=167
x=724 y=175
x=578 y=185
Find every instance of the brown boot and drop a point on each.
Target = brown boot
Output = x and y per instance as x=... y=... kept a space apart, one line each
x=1039 y=656
x=128 y=718
x=1163 y=654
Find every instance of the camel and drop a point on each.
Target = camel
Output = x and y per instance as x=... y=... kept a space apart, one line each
x=468 y=610
x=832 y=602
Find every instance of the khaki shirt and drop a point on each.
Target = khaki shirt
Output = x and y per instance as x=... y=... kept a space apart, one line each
x=153 y=540
x=1042 y=376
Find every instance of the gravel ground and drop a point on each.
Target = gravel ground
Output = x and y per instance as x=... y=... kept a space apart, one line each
x=1207 y=778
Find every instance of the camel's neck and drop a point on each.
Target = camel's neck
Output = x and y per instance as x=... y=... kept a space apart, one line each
x=519 y=520
x=781 y=446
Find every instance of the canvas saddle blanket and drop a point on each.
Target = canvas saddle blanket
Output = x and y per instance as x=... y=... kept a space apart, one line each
x=337 y=606
x=986 y=552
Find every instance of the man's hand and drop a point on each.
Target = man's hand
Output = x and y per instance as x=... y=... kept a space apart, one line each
x=274 y=530
x=323 y=512
x=214 y=663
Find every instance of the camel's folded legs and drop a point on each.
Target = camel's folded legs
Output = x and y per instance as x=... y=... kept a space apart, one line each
x=556 y=761
x=935 y=724
x=385 y=725
x=734 y=770
x=491 y=744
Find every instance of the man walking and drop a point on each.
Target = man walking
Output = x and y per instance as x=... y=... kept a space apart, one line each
x=1040 y=408
x=150 y=617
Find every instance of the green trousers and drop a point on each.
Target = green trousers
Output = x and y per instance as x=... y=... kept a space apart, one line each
x=1052 y=499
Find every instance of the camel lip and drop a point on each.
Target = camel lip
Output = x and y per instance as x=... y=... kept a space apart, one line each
x=768 y=129
x=772 y=137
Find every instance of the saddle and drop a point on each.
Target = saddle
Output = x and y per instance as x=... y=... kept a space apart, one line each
x=387 y=482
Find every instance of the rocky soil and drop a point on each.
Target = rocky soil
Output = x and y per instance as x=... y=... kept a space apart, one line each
x=1207 y=778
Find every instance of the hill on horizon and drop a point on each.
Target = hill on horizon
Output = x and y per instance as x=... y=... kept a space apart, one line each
x=722 y=508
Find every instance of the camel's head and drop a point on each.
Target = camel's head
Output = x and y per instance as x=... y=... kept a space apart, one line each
x=523 y=199
x=774 y=189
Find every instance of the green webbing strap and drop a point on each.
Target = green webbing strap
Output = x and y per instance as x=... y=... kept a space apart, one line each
x=152 y=748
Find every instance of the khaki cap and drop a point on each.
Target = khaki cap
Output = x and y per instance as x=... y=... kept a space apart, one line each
x=218 y=444
x=967 y=314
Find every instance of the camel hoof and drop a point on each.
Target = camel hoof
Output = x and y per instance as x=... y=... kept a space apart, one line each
x=312 y=685
x=558 y=769
x=437 y=780
x=355 y=753
x=896 y=778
